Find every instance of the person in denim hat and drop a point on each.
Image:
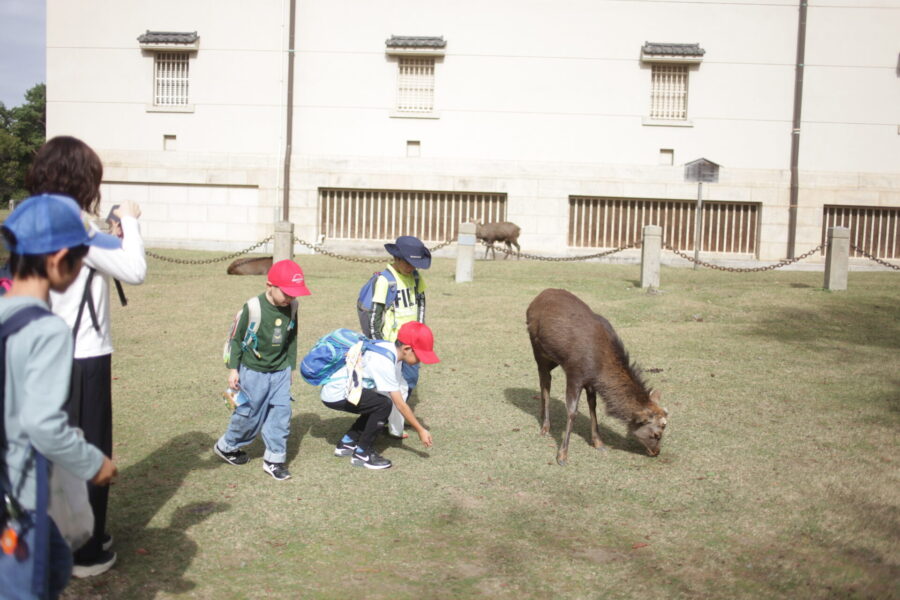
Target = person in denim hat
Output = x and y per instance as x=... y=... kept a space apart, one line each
x=261 y=365
x=47 y=241
x=410 y=255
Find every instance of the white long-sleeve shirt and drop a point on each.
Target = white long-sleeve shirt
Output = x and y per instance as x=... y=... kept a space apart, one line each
x=127 y=264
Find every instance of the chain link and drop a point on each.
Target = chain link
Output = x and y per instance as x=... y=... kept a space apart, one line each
x=873 y=258
x=207 y=261
x=317 y=248
x=561 y=258
x=777 y=265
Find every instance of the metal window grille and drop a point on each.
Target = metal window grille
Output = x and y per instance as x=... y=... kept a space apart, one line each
x=873 y=229
x=170 y=82
x=415 y=84
x=388 y=214
x=728 y=227
x=668 y=91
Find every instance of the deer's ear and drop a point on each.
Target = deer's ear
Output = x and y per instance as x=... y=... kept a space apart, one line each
x=655 y=395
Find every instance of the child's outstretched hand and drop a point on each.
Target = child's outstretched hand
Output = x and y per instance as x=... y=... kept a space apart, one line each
x=425 y=436
x=234 y=379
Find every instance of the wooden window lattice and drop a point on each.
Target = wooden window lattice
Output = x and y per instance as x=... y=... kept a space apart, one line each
x=415 y=84
x=668 y=92
x=873 y=229
x=171 y=79
x=387 y=214
x=730 y=228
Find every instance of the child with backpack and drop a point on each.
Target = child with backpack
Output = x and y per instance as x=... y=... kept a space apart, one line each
x=260 y=355
x=48 y=242
x=369 y=382
x=392 y=298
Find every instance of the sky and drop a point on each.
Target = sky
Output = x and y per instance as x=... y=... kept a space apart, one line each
x=22 y=48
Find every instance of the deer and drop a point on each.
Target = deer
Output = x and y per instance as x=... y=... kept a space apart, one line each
x=250 y=266
x=502 y=231
x=565 y=332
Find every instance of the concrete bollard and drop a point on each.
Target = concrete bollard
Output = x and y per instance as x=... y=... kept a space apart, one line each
x=283 y=247
x=465 y=253
x=837 y=258
x=651 y=247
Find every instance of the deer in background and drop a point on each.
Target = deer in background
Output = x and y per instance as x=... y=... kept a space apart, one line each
x=502 y=231
x=565 y=331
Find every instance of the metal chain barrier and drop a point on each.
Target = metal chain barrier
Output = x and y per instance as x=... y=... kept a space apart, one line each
x=873 y=258
x=207 y=261
x=563 y=258
x=319 y=250
x=777 y=265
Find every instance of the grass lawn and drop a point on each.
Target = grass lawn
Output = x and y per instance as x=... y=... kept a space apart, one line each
x=778 y=475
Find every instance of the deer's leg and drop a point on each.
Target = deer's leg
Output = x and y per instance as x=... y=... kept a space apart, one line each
x=509 y=248
x=518 y=249
x=544 y=375
x=596 y=442
x=573 y=392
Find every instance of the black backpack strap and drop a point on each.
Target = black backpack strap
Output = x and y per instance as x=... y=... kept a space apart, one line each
x=122 y=299
x=86 y=300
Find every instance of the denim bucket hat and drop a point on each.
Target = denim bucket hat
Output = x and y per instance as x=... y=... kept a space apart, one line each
x=412 y=250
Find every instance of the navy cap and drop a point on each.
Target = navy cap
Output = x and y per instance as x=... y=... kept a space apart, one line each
x=50 y=222
x=412 y=250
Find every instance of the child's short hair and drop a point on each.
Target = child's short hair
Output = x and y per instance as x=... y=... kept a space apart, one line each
x=66 y=165
x=23 y=266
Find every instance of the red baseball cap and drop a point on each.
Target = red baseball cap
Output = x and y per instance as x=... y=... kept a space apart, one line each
x=419 y=336
x=287 y=275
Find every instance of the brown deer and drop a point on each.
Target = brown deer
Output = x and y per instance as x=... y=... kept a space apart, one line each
x=502 y=231
x=565 y=331
x=250 y=266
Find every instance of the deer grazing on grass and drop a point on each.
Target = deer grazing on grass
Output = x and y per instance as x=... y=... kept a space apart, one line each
x=565 y=331
x=250 y=266
x=503 y=231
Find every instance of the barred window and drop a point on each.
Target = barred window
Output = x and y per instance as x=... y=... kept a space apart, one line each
x=170 y=80
x=415 y=84
x=668 y=91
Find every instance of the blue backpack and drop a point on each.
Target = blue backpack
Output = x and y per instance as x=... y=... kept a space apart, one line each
x=364 y=302
x=329 y=354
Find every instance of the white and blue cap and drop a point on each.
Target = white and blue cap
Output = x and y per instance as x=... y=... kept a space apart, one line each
x=50 y=222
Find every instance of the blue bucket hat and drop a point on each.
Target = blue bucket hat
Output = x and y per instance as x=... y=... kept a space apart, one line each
x=50 y=222
x=412 y=250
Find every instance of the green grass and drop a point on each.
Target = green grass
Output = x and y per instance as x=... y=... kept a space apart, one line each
x=778 y=475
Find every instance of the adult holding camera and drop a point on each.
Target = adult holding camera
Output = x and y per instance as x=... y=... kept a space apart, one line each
x=66 y=165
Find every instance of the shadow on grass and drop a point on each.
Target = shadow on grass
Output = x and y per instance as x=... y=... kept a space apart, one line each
x=140 y=492
x=864 y=323
x=529 y=401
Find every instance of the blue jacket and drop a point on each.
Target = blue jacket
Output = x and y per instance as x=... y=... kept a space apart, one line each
x=38 y=367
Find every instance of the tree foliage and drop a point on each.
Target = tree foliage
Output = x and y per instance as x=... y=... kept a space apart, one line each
x=22 y=131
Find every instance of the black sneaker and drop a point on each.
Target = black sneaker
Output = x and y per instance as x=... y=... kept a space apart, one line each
x=276 y=470
x=107 y=541
x=238 y=457
x=369 y=459
x=344 y=449
x=101 y=564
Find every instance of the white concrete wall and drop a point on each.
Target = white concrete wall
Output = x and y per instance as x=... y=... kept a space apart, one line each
x=539 y=100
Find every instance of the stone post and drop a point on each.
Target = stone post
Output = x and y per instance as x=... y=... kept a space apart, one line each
x=465 y=253
x=283 y=246
x=650 y=251
x=837 y=258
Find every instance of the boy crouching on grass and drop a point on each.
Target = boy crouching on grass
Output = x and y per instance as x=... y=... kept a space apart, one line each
x=383 y=390
x=261 y=358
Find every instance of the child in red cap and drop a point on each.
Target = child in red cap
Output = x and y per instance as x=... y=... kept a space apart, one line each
x=382 y=380
x=260 y=357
